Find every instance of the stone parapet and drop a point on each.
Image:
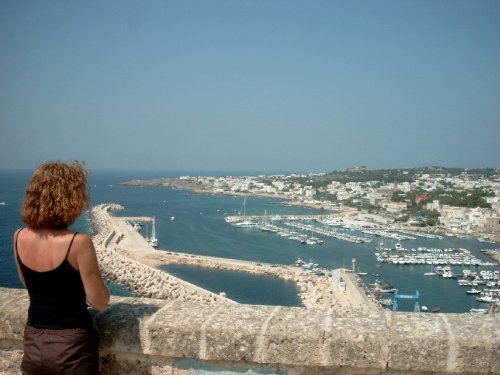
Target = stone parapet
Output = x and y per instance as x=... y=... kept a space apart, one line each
x=151 y=336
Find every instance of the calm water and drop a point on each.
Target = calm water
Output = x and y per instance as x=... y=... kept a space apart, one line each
x=199 y=228
x=241 y=287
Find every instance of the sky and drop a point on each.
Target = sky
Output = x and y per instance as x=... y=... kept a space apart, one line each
x=275 y=85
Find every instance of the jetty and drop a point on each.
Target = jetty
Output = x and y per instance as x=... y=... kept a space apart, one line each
x=127 y=258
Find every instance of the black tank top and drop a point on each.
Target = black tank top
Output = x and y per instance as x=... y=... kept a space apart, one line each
x=57 y=297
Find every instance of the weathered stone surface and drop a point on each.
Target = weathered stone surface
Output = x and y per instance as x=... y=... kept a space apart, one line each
x=177 y=329
x=120 y=324
x=238 y=339
x=14 y=312
x=474 y=345
x=417 y=342
x=145 y=336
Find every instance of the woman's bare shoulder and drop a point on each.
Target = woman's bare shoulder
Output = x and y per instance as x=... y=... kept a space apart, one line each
x=17 y=231
x=83 y=240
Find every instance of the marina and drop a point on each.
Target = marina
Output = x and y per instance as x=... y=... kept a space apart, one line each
x=444 y=263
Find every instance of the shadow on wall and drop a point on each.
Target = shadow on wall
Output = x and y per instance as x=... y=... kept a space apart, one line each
x=119 y=330
x=197 y=367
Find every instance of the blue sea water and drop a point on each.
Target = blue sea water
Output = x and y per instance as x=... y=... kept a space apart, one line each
x=241 y=287
x=199 y=228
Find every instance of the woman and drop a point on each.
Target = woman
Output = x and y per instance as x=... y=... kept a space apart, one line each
x=60 y=270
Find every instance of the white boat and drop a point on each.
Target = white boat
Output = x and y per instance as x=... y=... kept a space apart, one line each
x=153 y=240
x=299 y=262
x=245 y=223
x=386 y=301
x=430 y=273
x=487 y=299
x=478 y=311
x=473 y=291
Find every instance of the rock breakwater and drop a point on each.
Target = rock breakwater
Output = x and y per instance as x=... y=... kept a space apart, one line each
x=126 y=258
x=143 y=280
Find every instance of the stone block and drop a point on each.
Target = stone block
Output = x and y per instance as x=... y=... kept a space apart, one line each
x=176 y=329
x=14 y=313
x=120 y=325
x=235 y=332
x=417 y=342
x=474 y=344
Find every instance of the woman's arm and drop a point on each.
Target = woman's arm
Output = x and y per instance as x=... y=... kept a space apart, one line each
x=86 y=259
x=21 y=277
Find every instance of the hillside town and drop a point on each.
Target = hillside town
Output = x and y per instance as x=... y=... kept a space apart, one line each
x=458 y=201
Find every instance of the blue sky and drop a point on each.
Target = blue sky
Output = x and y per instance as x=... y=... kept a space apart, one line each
x=250 y=85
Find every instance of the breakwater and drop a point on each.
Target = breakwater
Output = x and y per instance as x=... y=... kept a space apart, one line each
x=126 y=258
x=143 y=280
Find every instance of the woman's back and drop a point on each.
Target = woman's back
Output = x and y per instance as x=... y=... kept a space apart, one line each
x=57 y=295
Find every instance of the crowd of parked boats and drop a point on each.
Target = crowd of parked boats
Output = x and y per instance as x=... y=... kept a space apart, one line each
x=293 y=229
x=441 y=262
x=430 y=256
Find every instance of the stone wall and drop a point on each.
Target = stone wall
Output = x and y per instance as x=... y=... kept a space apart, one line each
x=151 y=336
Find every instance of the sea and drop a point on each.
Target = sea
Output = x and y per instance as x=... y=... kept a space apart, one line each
x=188 y=222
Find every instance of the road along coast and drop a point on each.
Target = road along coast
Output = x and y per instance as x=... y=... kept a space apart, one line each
x=127 y=258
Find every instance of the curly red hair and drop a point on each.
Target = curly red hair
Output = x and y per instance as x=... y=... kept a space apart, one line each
x=56 y=195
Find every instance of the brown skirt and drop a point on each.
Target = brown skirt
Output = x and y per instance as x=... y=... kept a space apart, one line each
x=60 y=351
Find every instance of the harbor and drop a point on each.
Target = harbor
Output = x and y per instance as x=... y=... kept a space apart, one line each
x=470 y=268
x=200 y=230
x=316 y=287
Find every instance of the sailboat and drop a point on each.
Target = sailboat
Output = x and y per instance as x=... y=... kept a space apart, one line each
x=430 y=273
x=153 y=240
x=245 y=222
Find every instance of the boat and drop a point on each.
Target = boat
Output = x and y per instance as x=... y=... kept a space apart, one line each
x=424 y=308
x=399 y=247
x=153 y=240
x=383 y=288
x=299 y=262
x=245 y=223
x=386 y=301
x=487 y=299
x=473 y=291
x=478 y=311
x=436 y=309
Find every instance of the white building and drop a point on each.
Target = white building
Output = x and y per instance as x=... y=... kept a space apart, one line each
x=434 y=206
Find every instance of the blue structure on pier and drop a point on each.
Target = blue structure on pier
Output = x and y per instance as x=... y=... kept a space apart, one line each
x=398 y=296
